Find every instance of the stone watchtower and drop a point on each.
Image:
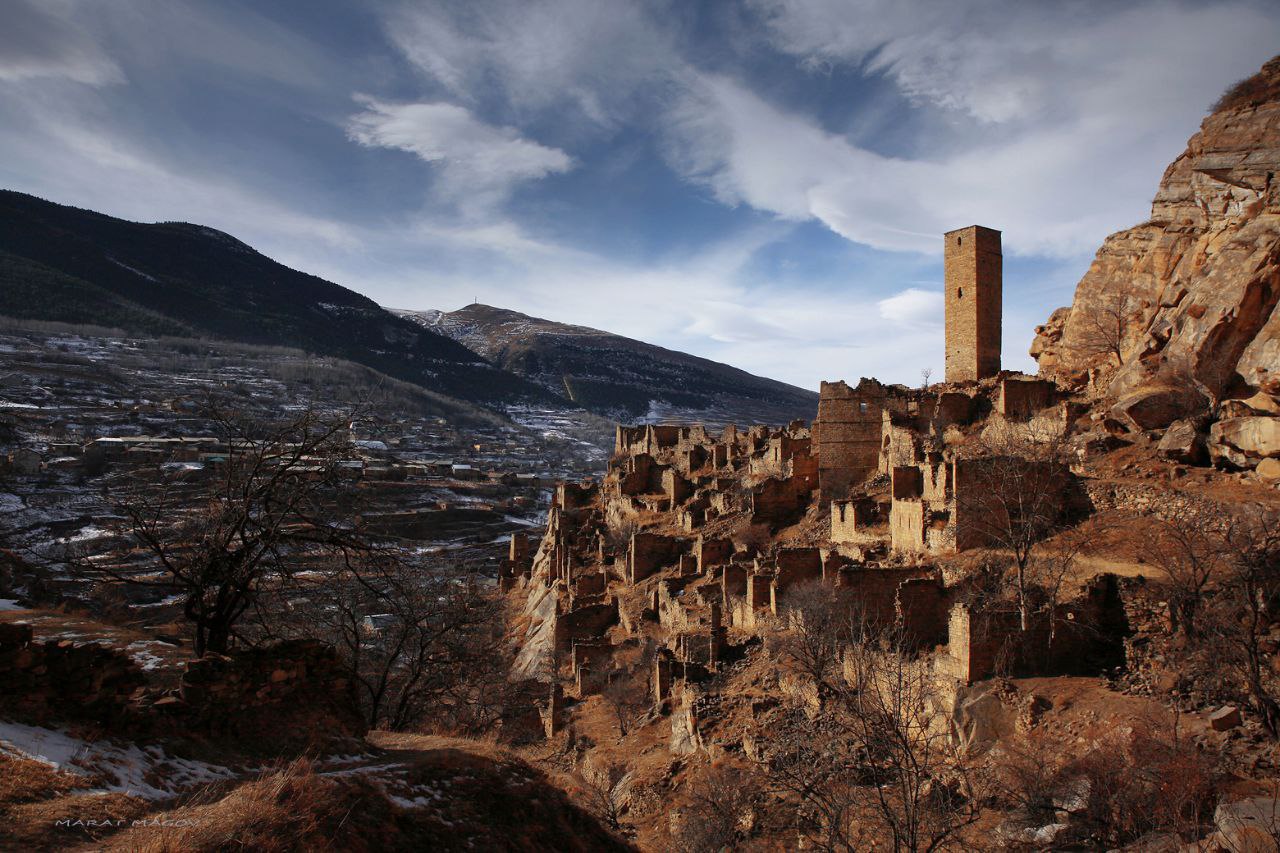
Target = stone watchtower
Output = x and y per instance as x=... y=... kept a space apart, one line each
x=973 y=300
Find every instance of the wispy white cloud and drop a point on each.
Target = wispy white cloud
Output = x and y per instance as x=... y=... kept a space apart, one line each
x=479 y=164
x=41 y=40
x=592 y=62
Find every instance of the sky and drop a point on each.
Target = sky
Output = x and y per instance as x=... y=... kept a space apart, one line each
x=760 y=182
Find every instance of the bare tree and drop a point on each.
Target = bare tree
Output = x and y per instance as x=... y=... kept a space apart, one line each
x=1053 y=565
x=605 y=789
x=877 y=762
x=278 y=502
x=1105 y=325
x=925 y=374
x=819 y=627
x=626 y=696
x=1247 y=607
x=422 y=638
x=925 y=791
x=719 y=808
x=1188 y=542
x=627 y=692
x=1012 y=492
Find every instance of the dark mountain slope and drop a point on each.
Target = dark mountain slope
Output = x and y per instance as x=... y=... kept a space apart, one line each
x=616 y=376
x=175 y=277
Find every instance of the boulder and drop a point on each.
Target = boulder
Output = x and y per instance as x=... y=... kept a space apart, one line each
x=1158 y=407
x=1243 y=441
x=1248 y=826
x=979 y=721
x=1225 y=718
x=1263 y=404
x=1268 y=470
x=1182 y=442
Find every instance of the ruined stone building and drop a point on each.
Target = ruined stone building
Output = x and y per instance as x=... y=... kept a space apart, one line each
x=973 y=303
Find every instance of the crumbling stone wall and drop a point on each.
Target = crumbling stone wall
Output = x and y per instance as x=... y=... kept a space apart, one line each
x=847 y=434
x=290 y=693
x=650 y=552
x=711 y=552
x=63 y=680
x=778 y=500
x=850 y=519
x=1021 y=397
x=1088 y=637
x=584 y=623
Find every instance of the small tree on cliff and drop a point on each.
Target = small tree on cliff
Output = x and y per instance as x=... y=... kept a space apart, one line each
x=1104 y=325
x=278 y=504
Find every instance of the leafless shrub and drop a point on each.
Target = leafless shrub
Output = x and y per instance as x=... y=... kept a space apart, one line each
x=719 y=808
x=820 y=623
x=1249 y=92
x=627 y=693
x=1188 y=543
x=875 y=763
x=1246 y=609
x=1145 y=779
x=605 y=790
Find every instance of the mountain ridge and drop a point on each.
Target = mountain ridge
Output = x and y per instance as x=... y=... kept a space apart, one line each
x=175 y=278
x=616 y=375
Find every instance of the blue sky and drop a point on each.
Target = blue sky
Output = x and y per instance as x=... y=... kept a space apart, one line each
x=762 y=182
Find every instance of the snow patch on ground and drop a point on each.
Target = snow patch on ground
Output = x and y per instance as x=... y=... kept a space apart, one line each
x=10 y=604
x=140 y=651
x=119 y=768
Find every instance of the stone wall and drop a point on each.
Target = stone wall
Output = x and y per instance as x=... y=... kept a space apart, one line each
x=712 y=552
x=584 y=623
x=291 y=693
x=847 y=435
x=1021 y=397
x=778 y=501
x=850 y=519
x=63 y=680
x=1083 y=637
x=650 y=552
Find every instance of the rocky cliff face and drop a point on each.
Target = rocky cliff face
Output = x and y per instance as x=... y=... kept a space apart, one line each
x=1192 y=293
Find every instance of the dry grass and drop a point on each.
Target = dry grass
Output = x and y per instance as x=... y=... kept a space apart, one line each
x=290 y=809
x=23 y=780
x=44 y=809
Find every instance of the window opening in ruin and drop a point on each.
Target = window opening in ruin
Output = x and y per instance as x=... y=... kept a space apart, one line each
x=959 y=293
x=959 y=241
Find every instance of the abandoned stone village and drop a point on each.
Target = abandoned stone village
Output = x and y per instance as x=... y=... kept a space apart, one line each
x=720 y=528
x=688 y=554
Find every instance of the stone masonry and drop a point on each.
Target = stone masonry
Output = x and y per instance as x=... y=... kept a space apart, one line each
x=973 y=303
